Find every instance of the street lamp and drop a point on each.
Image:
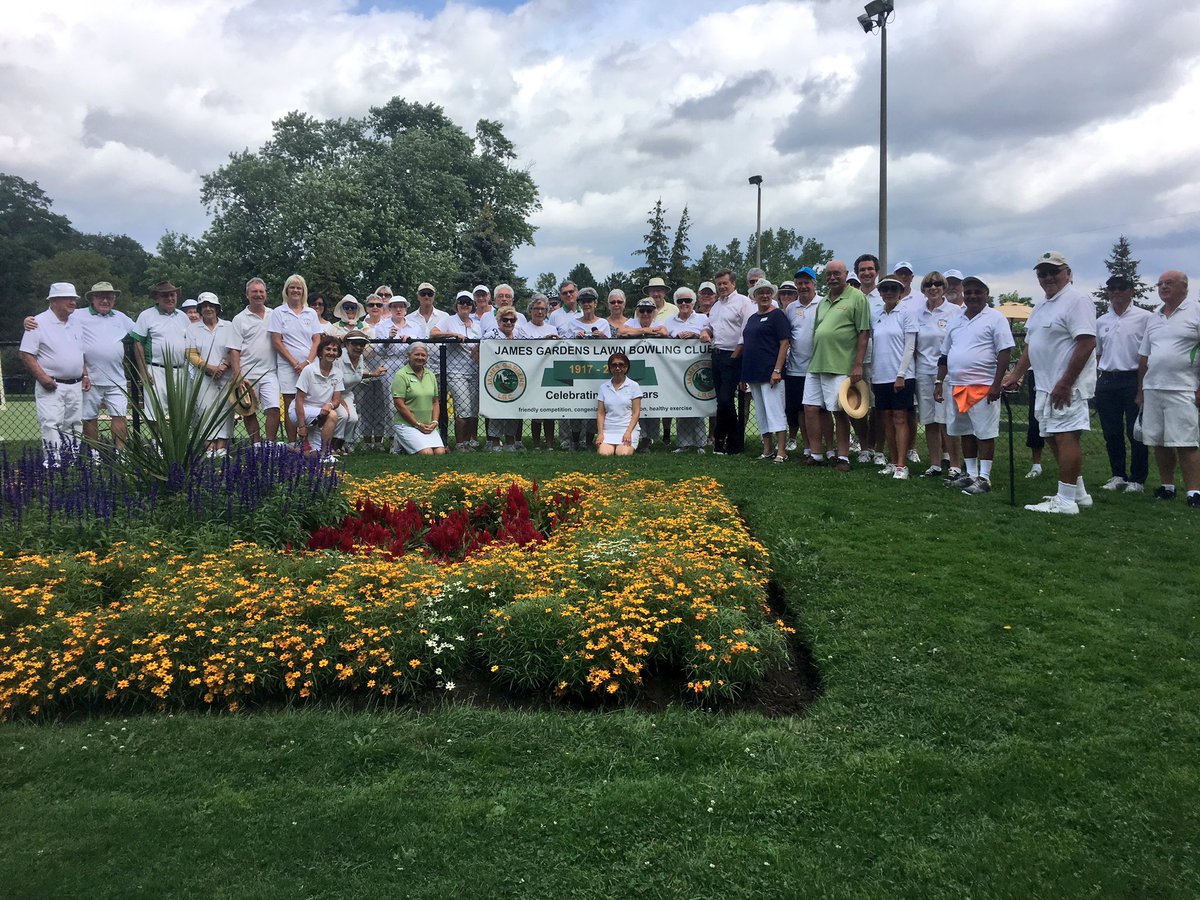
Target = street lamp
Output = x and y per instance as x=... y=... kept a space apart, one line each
x=756 y=180
x=876 y=17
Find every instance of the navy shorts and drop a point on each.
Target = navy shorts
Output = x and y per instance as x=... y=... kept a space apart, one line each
x=887 y=397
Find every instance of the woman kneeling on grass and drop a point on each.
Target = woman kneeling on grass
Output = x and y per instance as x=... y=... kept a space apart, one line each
x=618 y=410
x=415 y=395
x=318 y=393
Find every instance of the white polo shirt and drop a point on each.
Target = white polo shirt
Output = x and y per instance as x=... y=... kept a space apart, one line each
x=1119 y=337
x=163 y=336
x=618 y=403
x=213 y=345
x=562 y=315
x=488 y=320
x=932 y=325
x=351 y=375
x=727 y=318
x=1050 y=333
x=57 y=345
x=676 y=326
x=527 y=331
x=577 y=328
x=295 y=328
x=1170 y=347
x=103 y=344
x=459 y=357
x=888 y=331
x=319 y=389
x=435 y=320
x=875 y=301
x=249 y=336
x=972 y=345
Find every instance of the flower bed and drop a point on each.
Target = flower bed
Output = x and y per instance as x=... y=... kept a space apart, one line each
x=583 y=587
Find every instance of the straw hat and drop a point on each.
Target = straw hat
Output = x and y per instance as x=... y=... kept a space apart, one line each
x=243 y=398
x=855 y=398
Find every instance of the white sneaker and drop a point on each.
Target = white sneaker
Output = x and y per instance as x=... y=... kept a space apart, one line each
x=700 y=451
x=1132 y=487
x=887 y=470
x=914 y=456
x=854 y=445
x=518 y=446
x=879 y=459
x=791 y=445
x=1055 y=504
x=865 y=456
x=1035 y=472
x=1083 y=502
x=328 y=460
x=1116 y=483
x=901 y=474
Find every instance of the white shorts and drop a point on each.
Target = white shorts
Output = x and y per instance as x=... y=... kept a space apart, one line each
x=112 y=398
x=1073 y=417
x=822 y=390
x=413 y=441
x=59 y=413
x=931 y=412
x=266 y=386
x=347 y=425
x=768 y=407
x=981 y=420
x=1170 y=419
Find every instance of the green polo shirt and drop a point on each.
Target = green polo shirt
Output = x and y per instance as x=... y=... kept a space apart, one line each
x=835 y=336
x=418 y=394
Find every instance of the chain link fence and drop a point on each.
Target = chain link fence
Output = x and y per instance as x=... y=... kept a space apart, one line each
x=455 y=363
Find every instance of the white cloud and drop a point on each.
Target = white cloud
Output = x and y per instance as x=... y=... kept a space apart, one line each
x=1040 y=126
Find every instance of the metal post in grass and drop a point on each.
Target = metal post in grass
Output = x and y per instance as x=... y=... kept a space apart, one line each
x=1012 y=462
x=443 y=395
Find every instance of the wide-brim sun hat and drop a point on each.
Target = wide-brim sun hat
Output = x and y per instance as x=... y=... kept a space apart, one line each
x=101 y=287
x=854 y=397
x=244 y=399
x=359 y=309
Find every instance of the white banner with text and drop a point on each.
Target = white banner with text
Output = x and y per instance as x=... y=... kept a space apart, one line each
x=561 y=379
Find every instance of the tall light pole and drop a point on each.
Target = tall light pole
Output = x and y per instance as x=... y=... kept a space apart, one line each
x=876 y=17
x=756 y=180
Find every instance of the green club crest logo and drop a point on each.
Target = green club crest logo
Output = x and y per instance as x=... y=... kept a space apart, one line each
x=699 y=381
x=505 y=381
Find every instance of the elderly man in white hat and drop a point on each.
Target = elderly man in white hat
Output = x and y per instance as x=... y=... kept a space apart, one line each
x=426 y=314
x=53 y=354
x=656 y=290
x=1061 y=349
x=104 y=331
x=253 y=359
x=159 y=333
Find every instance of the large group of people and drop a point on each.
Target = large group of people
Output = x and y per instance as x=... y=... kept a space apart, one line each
x=859 y=371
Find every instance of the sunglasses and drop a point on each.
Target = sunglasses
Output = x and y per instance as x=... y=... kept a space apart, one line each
x=618 y=365
x=424 y=293
x=974 y=293
x=374 y=306
x=930 y=284
x=1048 y=273
x=890 y=289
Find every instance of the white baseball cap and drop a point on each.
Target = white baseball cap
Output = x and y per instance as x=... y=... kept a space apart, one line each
x=953 y=273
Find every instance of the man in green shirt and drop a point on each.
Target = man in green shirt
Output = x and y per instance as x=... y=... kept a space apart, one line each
x=839 y=345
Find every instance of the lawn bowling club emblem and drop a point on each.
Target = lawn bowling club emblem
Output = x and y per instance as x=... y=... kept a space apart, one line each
x=505 y=381
x=699 y=381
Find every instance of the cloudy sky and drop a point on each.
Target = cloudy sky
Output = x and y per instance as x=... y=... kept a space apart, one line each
x=1014 y=127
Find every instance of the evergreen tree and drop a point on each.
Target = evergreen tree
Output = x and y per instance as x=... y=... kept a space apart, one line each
x=1121 y=262
x=679 y=273
x=582 y=276
x=547 y=283
x=487 y=257
x=657 y=248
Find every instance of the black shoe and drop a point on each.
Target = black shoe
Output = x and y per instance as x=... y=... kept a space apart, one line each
x=1163 y=494
x=1194 y=501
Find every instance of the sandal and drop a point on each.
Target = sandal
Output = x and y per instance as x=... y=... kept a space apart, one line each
x=767 y=456
x=780 y=459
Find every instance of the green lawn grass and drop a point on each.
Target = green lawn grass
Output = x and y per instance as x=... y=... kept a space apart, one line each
x=1009 y=709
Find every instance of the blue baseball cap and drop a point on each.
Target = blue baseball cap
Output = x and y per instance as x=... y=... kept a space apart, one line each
x=807 y=272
